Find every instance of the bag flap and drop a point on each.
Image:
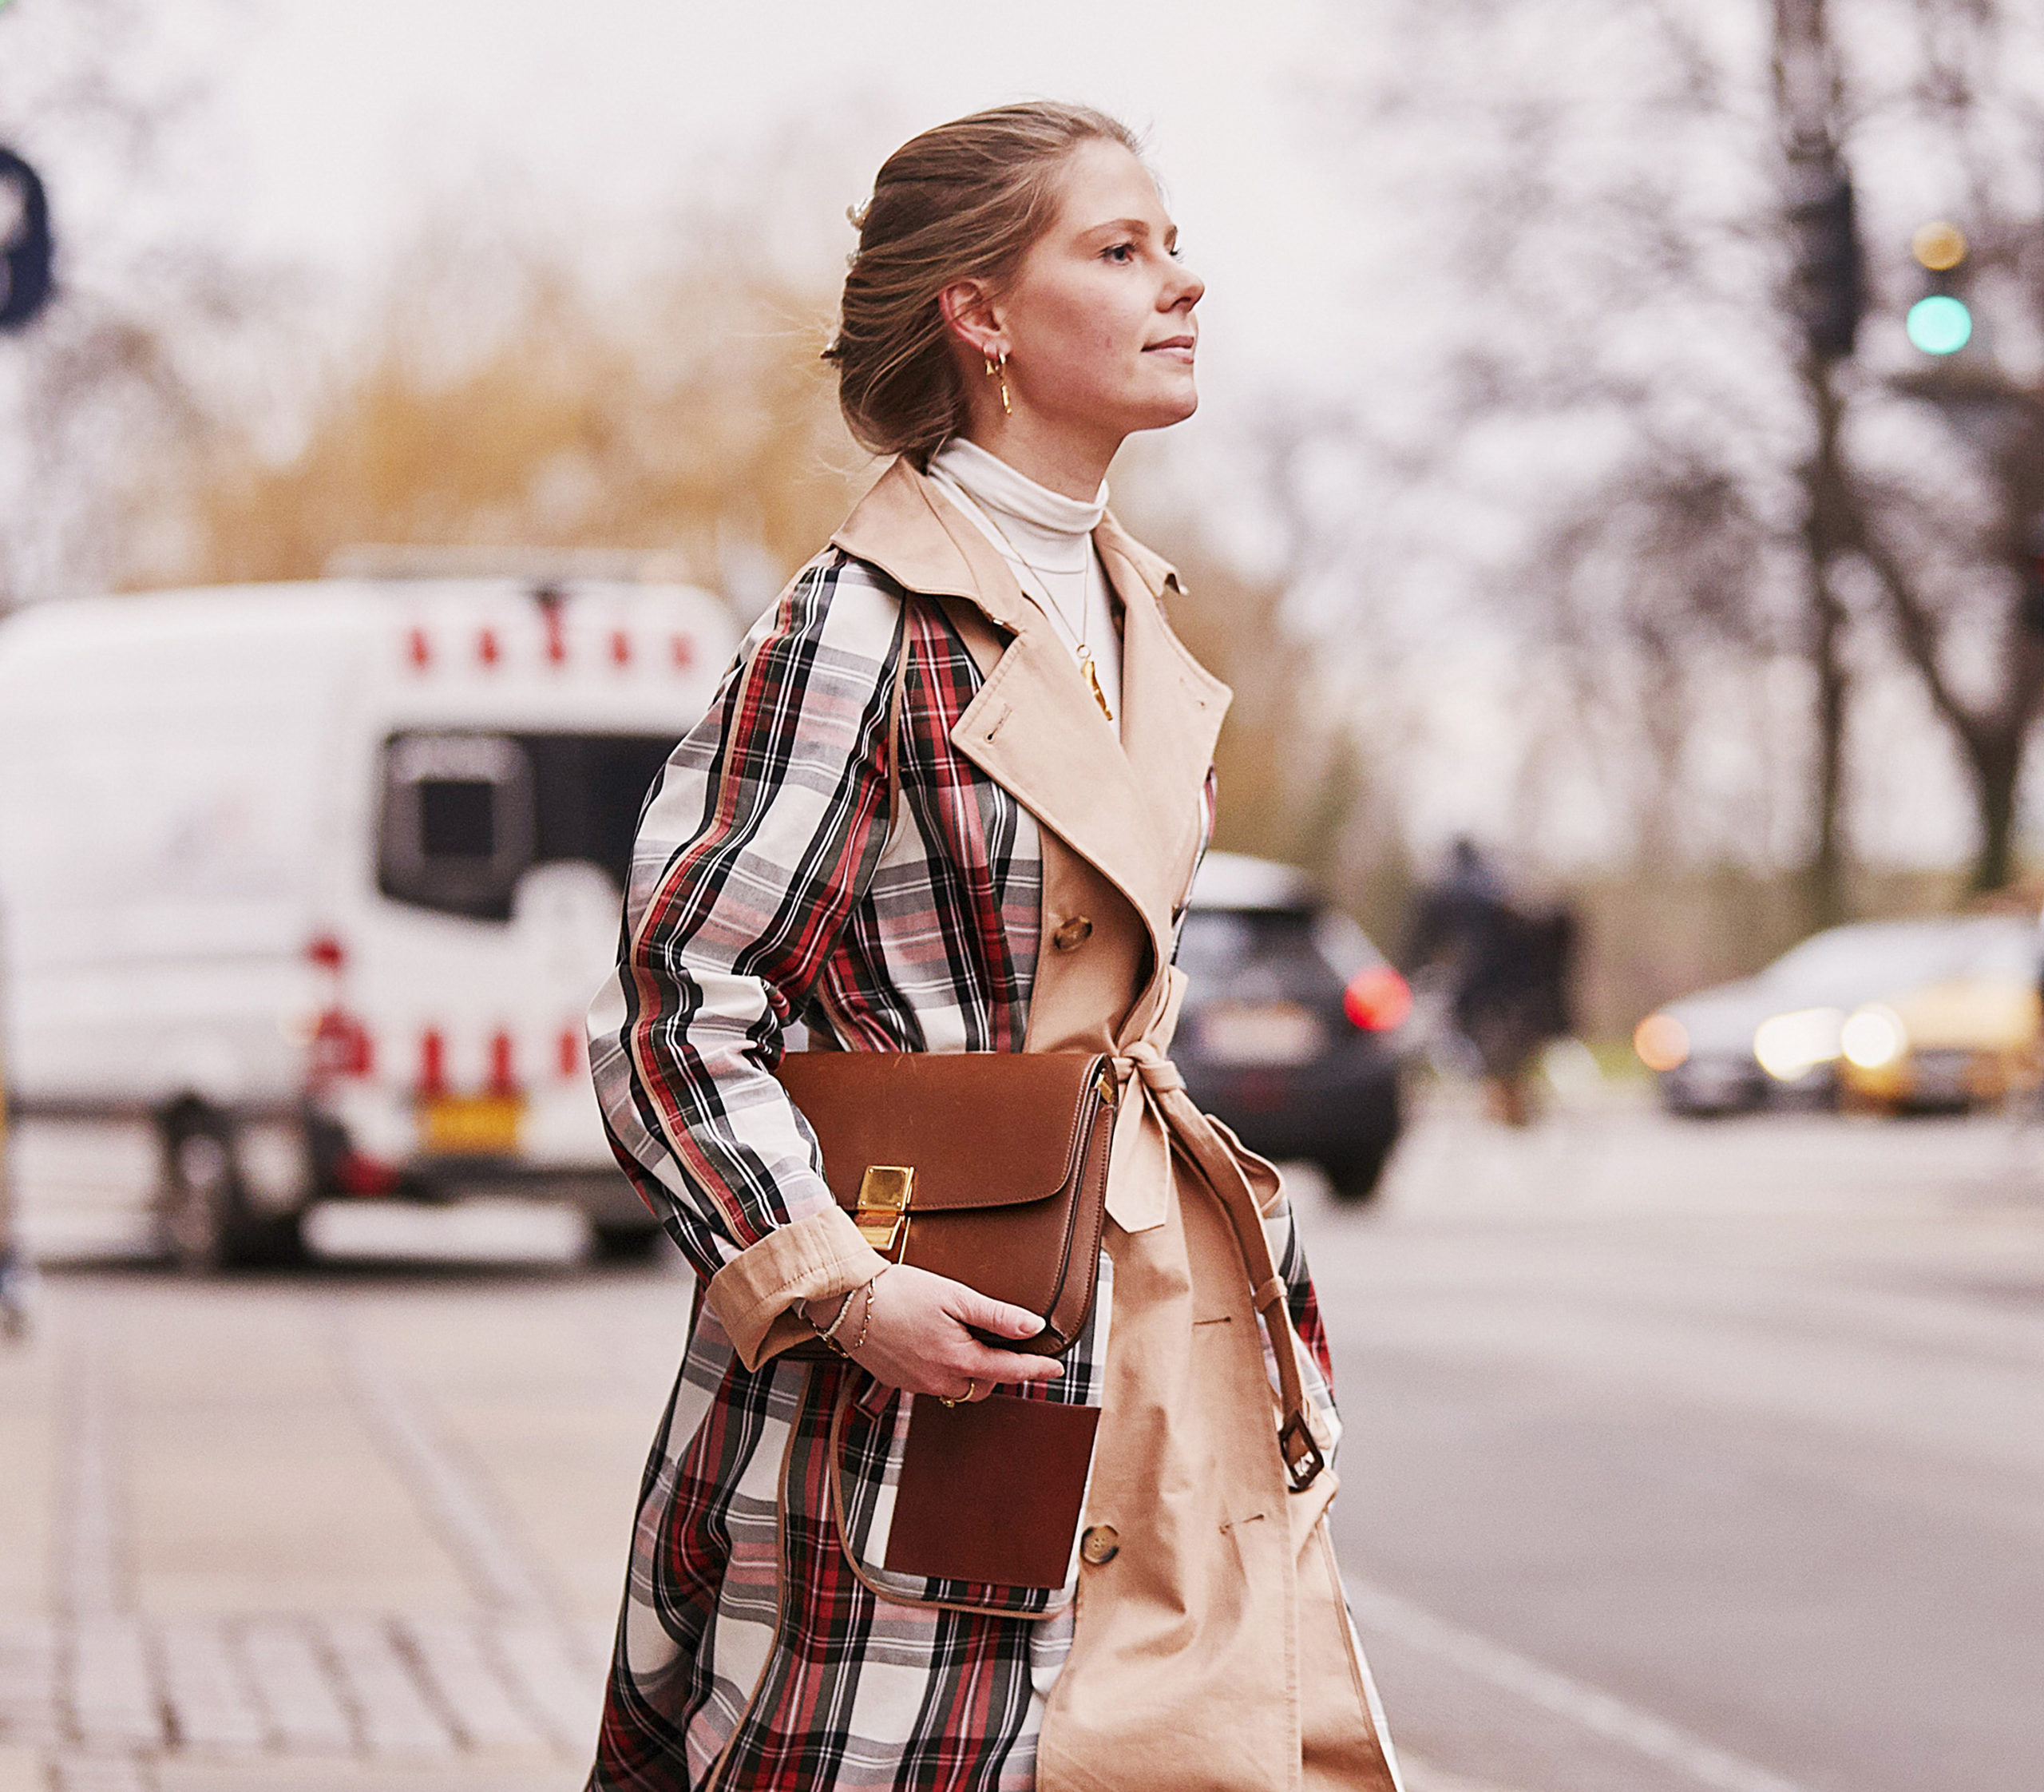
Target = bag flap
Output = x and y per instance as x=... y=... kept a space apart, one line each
x=980 y=1129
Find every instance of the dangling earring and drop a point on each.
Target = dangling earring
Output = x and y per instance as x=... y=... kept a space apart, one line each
x=994 y=367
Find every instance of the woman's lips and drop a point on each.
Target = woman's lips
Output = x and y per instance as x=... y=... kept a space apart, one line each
x=1178 y=348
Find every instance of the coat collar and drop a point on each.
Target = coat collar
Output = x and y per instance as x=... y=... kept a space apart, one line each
x=914 y=534
x=1129 y=807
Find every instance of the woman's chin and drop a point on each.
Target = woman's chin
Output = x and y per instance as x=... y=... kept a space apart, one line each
x=1160 y=410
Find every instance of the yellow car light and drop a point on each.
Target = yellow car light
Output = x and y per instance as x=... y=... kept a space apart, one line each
x=1874 y=1037
x=1661 y=1041
x=1788 y=1045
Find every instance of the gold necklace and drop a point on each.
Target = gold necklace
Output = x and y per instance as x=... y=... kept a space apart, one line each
x=1088 y=670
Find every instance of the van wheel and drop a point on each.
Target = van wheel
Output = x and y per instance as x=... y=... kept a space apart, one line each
x=206 y=1222
x=625 y=1244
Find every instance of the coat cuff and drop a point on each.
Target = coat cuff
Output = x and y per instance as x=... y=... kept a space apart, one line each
x=810 y=1258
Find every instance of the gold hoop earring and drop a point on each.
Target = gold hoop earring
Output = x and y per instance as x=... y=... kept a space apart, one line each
x=994 y=371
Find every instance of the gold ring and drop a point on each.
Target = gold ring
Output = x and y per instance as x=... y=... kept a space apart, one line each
x=970 y=1385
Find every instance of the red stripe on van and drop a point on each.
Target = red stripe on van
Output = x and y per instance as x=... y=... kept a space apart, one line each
x=501 y=1080
x=432 y=1062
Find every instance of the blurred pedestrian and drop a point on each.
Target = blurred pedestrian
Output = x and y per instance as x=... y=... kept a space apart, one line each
x=1507 y=971
x=950 y=799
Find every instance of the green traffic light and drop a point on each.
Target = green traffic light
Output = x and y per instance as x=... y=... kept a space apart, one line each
x=1939 y=324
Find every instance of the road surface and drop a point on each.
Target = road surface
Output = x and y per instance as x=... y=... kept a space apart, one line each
x=1679 y=1456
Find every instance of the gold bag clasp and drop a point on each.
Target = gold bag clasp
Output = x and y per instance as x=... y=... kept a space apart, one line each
x=885 y=1191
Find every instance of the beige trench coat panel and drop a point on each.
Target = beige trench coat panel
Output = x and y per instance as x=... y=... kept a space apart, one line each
x=1212 y=1647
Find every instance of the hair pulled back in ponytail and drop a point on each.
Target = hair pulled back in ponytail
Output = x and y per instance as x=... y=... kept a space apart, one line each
x=963 y=201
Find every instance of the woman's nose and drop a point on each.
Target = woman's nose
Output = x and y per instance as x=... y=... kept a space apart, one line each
x=1190 y=290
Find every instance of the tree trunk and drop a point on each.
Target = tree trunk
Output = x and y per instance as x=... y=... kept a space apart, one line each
x=1995 y=760
x=1994 y=791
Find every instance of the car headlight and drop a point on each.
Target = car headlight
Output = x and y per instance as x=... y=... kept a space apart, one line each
x=1874 y=1037
x=1789 y=1045
x=1661 y=1041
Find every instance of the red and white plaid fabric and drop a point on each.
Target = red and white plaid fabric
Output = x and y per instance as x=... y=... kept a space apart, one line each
x=760 y=895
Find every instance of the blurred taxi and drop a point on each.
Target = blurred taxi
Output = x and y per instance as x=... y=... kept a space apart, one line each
x=1827 y=1019
x=1961 y=1042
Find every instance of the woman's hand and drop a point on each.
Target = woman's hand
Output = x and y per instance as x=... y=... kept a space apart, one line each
x=916 y=1336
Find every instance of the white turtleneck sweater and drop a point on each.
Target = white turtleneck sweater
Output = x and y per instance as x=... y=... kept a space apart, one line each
x=1047 y=540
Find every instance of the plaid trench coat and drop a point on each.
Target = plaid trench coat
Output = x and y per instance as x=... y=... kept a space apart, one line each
x=762 y=1644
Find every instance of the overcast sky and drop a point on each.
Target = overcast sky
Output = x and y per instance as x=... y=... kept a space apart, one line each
x=330 y=130
x=324 y=135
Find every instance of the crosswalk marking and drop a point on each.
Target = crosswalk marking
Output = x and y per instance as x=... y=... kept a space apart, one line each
x=454 y=1653
x=388 y=1702
x=422 y=1687
x=210 y=1703
x=114 y=1701
x=302 y=1713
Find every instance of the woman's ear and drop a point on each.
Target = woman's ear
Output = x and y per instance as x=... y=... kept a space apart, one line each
x=971 y=316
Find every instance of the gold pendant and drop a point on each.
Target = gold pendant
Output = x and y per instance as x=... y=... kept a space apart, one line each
x=1093 y=683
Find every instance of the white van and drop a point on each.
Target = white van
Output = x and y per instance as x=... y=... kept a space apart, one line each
x=304 y=889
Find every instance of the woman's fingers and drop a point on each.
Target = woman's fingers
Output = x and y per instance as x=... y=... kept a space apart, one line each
x=988 y=1367
x=971 y=1307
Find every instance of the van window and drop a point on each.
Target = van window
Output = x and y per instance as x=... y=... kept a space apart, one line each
x=466 y=814
x=457 y=817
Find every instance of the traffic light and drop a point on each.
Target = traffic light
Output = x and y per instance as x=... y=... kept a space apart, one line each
x=1829 y=294
x=1940 y=322
x=24 y=244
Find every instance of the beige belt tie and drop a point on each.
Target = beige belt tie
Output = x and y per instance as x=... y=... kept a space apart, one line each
x=1140 y=1062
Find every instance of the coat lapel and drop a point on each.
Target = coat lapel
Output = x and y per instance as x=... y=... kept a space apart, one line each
x=1172 y=707
x=1129 y=806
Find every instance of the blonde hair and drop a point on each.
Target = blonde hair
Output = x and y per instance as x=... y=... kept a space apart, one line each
x=962 y=202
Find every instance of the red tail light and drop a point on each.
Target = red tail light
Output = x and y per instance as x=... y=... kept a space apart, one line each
x=341 y=1046
x=1377 y=1000
x=432 y=1063
x=355 y=1174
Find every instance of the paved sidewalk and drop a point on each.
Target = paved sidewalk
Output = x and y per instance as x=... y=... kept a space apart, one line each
x=257 y=1537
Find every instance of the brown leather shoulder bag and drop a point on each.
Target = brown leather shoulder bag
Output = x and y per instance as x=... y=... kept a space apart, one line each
x=989 y=1167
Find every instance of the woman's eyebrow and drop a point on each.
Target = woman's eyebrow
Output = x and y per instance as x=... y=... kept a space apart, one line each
x=1122 y=227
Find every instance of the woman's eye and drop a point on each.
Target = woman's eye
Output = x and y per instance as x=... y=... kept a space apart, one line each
x=1121 y=252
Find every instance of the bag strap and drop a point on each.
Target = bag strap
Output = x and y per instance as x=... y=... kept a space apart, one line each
x=1213 y=1158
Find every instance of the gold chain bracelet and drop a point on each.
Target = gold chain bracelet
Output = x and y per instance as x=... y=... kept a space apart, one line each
x=865 y=1318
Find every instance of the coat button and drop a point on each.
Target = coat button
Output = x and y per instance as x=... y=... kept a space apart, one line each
x=1072 y=934
x=1101 y=1544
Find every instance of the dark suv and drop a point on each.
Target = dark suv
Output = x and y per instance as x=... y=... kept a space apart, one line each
x=1291 y=1016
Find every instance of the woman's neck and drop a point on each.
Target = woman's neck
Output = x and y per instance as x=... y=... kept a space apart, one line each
x=1055 y=458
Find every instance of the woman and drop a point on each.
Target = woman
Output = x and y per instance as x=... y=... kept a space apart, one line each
x=1015 y=310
